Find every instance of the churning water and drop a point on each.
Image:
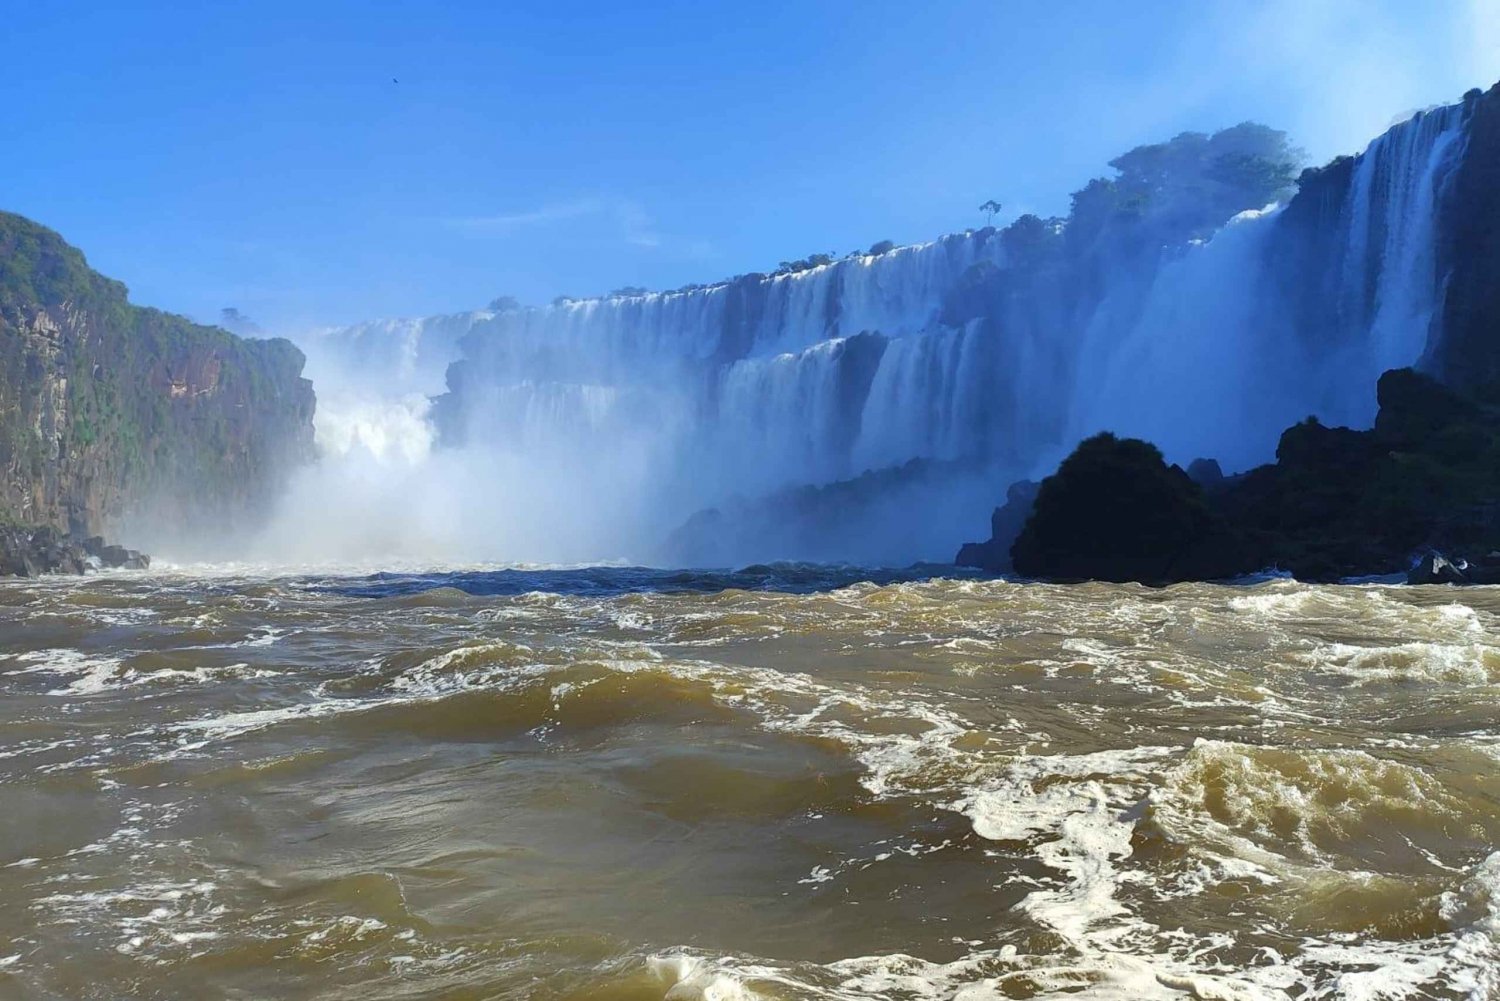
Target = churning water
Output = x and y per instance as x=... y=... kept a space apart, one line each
x=788 y=782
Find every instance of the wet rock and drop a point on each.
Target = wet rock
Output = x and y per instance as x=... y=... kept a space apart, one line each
x=31 y=551
x=1434 y=568
x=122 y=558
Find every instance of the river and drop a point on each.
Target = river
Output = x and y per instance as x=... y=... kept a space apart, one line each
x=786 y=782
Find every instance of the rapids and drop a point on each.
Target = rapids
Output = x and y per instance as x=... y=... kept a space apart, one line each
x=788 y=782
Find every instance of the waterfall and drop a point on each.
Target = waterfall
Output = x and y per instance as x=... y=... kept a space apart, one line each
x=1217 y=362
x=1389 y=280
x=964 y=351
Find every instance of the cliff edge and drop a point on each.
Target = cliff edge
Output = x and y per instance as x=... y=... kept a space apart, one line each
x=117 y=419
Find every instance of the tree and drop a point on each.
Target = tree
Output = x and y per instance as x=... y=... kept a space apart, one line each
x=989 y=209
x=232 y=320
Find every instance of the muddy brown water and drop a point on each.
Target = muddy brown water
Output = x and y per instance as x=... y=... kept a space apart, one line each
x=251 y=785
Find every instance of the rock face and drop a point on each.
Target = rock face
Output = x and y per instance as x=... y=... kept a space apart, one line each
x=1005 y=524
x=1341 y=503
x=1336 y=503
x=117 y=416
x=1469 y=251
x=1115 y=511
x=1437 y=569
x=27 y=551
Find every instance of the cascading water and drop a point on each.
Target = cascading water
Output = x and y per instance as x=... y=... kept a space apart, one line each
x=1390 y=282
x=971 y=350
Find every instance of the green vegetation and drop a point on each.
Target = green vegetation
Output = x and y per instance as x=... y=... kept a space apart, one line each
x=806 y=264
x=1189 y=186
x=37 y=268
x=107 y=407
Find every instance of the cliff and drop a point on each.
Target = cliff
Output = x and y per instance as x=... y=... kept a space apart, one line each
x=120 y=419
x=1469 y=354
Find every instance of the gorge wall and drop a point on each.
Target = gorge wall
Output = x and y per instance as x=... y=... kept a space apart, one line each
x=1204 y=298
x=132 y=422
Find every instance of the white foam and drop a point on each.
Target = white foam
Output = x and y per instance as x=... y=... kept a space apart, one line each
x=690 y=978
x=1473 y=910
x=1443 y=663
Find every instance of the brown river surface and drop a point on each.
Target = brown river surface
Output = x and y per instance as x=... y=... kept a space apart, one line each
x=783 y=783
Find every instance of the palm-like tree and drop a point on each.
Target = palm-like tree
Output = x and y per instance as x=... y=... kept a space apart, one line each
x=989 y=209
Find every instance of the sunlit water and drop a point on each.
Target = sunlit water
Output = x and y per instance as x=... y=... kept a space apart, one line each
x=783 y=783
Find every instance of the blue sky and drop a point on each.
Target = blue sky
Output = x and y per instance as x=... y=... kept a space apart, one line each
x=259 y=155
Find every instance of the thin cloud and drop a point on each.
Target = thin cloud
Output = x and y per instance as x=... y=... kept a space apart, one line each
x=638 y=226
x=508 y=222
x=626 y=218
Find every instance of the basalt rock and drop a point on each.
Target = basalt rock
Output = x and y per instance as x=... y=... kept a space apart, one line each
x=127 y=559
x=1434 y=568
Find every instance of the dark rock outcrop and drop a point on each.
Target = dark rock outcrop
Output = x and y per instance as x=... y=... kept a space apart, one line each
x=117 y=416
x=1336 y=503
x=32 y=550
x=1435 y=568
x=1005 y=524
x=1341 y=503
x=115 y=556
x=1115 y=511
x=1206 y=473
